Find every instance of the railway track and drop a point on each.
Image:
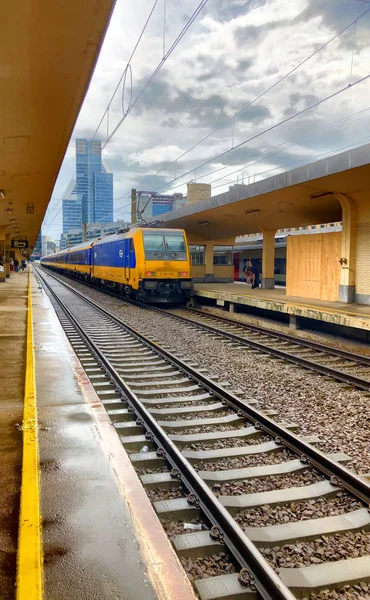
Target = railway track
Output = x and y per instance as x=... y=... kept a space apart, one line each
x=344 y=366
x=252 y=509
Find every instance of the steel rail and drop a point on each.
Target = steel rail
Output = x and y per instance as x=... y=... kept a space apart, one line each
x=347 y=378
x=340 y=474
x=266 y=581
x=365 y=360
x=358 y=382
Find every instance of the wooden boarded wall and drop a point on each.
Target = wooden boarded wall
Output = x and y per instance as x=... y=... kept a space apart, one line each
x=313 y=269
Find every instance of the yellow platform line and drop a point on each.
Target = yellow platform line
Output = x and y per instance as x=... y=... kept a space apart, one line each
x=29 y=558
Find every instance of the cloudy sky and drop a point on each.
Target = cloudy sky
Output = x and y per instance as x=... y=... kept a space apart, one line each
x=233 y=52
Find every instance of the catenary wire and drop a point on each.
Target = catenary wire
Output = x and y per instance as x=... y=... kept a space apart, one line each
x=292 y=142
x=197 y=11
x=271 y=128
x=304 y=161
x=127 y=65
x=259 y=96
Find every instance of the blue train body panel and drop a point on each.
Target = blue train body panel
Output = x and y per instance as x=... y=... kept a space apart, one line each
x=118 y=253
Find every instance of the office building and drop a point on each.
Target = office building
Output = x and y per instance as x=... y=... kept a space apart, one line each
x=72 y=208
x=94 y=182
x=150 y=205
x=48 y=245
x=93 y=231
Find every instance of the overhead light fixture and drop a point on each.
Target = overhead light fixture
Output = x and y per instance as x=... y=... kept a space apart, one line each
x=320 y=195
x=203 y=222
x=13 y=220
x=2 y=194
x=9 y=211
x=252 y=210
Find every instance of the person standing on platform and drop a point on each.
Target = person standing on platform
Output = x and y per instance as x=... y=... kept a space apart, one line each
x=16 y=265
x=23 y=264
x=248 y=270
x=255 y=276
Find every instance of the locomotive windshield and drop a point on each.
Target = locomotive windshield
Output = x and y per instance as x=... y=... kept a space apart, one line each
x=168 y=246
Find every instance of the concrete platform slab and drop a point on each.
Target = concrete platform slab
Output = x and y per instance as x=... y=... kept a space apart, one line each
x=276 y=300
x=13 y=313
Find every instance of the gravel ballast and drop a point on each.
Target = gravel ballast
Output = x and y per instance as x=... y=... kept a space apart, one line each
x=239 y=462
x=315 y=404
x=337 y=414
x=340 y=546
x=211 y=566
x=265 y=484
x=298 y=511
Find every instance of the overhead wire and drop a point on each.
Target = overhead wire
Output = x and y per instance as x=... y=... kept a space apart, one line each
x=128 y=70
x=259 y=96
x=124 y=74
x=262 y=153
x=175 y=43
x=304 y=161
x=269 y=129
x=188 y=24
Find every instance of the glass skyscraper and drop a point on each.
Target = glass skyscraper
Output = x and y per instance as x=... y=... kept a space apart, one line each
x=94 y=182
x=72 y=208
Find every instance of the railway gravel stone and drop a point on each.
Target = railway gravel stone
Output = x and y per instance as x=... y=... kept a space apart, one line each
x=207 y=414
x=211 y=566
x=158 y=493
x=173 y=528
x=316 y=404
x=361 y=591
x=206 y=428
x=265 y=484
x=297 y=511
x=331 y=548
x=228 y=443
x=238 y=462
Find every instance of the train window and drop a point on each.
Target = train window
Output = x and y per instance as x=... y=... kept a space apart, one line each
x=197 y=254
x=174 y=242
x=153 y=242
x=222 y=255
x=280 y=266
x=164 y=245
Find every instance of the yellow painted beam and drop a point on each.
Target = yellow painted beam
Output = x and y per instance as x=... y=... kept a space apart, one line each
x=29 y=558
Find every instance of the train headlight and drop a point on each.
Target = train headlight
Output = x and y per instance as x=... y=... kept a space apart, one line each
x=183 y=274
x=150 y=274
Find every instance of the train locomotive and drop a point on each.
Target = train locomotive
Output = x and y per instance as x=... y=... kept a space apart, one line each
x=149 y=264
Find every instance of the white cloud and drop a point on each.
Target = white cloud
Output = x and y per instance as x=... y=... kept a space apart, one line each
x=233 y=52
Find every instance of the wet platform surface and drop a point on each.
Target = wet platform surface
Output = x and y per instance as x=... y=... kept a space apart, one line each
x=13 y=312
x=90 y=550
x=101 y=537
x=348 y=315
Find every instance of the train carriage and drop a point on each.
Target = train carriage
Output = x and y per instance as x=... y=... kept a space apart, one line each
x=79 y=259
x=148 y=263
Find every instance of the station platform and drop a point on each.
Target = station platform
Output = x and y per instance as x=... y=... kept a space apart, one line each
x=293 y=310
x=75 y=521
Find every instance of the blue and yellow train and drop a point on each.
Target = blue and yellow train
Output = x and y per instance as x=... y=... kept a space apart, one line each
x=149 y=264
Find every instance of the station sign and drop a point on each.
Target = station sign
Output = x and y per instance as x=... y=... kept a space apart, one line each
x=19 y=243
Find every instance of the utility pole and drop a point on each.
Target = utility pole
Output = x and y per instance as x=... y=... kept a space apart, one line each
x=133 y=207
x=84 y=232
x=68 y=243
